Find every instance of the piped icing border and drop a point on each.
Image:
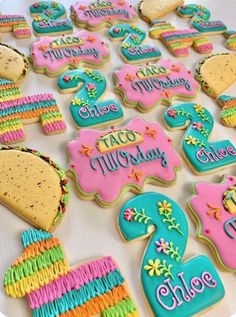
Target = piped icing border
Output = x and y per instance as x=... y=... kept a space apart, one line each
x=63 y=179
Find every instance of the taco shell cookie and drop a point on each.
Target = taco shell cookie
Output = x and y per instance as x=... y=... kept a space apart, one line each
x=33 y=186
x=213 y=207
x=216 y=73
x=155 y=9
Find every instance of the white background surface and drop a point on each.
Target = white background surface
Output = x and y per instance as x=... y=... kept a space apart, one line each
x=88 y=230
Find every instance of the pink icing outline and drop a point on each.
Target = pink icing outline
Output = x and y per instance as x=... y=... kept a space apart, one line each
x=101 y=186
x=148 y=100
x=41 y=62
x=94 y=22
x=219 y=241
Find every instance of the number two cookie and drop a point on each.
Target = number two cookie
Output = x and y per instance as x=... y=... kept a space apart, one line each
x=172 y=288
x=42 y=273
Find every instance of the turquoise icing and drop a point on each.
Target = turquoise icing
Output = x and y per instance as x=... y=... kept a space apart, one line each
x=32 y=236
x=78 y=297
x=48 y=20
x=85 y=108
x=201 y=15
x=203 y=156
x=226 y=98
x=178 y=289
x=131 y=48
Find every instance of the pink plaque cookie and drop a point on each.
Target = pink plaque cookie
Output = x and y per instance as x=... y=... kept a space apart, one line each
x=214 y=209
x=143 y=87
x=106 y=164
x=95 y=15
x=53 y=56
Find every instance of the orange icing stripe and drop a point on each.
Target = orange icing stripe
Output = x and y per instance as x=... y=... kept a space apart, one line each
x=98 y=304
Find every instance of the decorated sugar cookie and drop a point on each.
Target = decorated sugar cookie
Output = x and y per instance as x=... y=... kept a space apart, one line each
x=213 y=207
x=121 y=159
x=131 y=49
x=86 y=110
x=95 y=14
x=26 y=179
x=53 y=56
x=179 y=41
x=200 y=19
x=143 y=87
x=42 y=273
x=16 y=24
x=49 y=18
x=228 y=113
x=201 y=155
x=216 y=73
x=150 y=10
x=172 y=287
x=231 y=40
x=15 y=109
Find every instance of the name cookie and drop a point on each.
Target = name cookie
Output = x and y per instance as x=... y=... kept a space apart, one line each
x=179 y=41
x=121 y=159
x=228 y=113
x=15 y=109
x=53 y=56
x=27 y=176
x=16 y=24
x=213 y=207
x=172 y=287
x=131 y=49
x=215 y=73
x=201 y=155
x=150 y=10
x=200 y=19
x=48 y=18
x=85 y=107
x=95 y=15
x=52 y=287
x=143 y=87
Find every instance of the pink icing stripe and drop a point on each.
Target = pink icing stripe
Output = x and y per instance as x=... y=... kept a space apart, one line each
x=73 y=280
x=25 y=101
x=54 y=126
x=9 y=137
x=179 y=32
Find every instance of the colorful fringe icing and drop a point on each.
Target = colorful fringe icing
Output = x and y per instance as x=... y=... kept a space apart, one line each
x=228 y=113
x=231 y=40
x=15 y=23
x=15 y=110
x=179 y=41
x=53 y=289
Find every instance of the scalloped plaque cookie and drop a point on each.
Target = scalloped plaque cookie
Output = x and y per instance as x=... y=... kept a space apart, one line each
x=53 y=56
x=145 y=86
x=213 y=207
x=121 y=159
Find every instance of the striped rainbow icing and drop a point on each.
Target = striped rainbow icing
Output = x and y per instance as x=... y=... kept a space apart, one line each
x=231 y=39
x=179 y=41
x=228 y=113
x=15 y=23
x=53 y=289
x=16 y=110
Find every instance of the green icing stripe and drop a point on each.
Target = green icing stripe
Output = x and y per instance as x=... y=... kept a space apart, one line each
x=228 y=113
x=122 y=309
x=33 y=265
x=76 y=298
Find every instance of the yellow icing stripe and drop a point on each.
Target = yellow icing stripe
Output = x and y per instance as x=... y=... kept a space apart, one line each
x=37 y=280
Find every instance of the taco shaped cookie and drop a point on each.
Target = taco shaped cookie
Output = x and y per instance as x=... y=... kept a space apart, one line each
x=33 y=186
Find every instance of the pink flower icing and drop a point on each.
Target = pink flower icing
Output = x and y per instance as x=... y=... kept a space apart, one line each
x=177 y=82
x=115 y=10
x=207 y=201
x=72 y=50
x=107 y=188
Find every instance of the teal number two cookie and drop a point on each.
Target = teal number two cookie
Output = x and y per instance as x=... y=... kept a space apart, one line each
x=131 y=49
x=172 y=288
x=201 y=155
x=86 y=110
